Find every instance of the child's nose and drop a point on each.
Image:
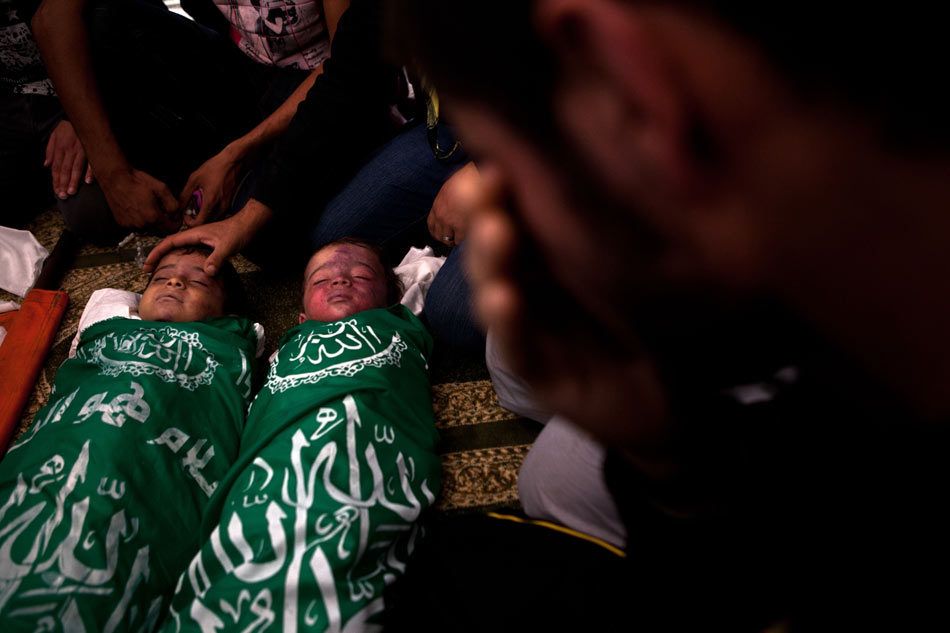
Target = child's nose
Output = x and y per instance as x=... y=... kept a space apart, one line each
x=174 y=281
x=341 y=281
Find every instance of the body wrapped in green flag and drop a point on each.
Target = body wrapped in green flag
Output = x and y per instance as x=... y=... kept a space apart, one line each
x=101 y=499
x=337 y=462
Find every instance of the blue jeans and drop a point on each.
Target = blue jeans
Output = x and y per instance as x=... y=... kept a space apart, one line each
x=448 y=305
x=387 y=203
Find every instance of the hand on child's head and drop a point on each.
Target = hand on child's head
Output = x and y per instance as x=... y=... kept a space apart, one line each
x=341 y=280
x=180 y=290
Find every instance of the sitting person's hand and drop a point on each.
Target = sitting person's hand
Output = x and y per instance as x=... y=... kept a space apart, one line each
x=217 y=179
x=226 y=237
x=66 y=158
x=140 y=202
x=449 y=216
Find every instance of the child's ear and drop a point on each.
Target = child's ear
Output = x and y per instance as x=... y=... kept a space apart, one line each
x=303 y=317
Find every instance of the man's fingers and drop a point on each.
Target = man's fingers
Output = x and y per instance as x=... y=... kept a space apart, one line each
x=75 y=174
x=62 y=166
x=491 y=247
x=54 y=177
x=187 y=190
x=460 y=232
x=500 y=307
x=64 y=162
x=204 y=215
x=48 y=156
x=90 y=175
x=497 y=306
x=206 y=211
x=191 y=237
x=214 y=261
x=437 y=229
x=497 y=300
x=157 y=252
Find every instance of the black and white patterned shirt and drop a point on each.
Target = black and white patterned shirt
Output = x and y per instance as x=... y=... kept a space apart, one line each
x=21 y=69
x=279 y=32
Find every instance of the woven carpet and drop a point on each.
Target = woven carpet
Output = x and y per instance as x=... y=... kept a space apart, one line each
x=482 y=445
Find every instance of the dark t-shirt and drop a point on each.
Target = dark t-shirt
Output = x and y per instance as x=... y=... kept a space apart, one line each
x=344 y=116
x=813 y=497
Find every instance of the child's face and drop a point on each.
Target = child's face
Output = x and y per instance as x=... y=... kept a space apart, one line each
x=181 y=291
x=340 y=281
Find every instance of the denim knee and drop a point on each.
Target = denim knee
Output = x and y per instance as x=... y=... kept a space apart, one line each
x=448 y=307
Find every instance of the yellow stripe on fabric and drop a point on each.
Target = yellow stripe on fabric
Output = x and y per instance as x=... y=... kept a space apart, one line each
x=560 y=528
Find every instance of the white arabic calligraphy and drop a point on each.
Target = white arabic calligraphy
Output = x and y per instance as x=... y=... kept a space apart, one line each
x=284 y=550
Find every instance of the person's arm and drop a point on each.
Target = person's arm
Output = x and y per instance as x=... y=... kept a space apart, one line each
x=218 y=176
x=344 y=116
x=66 y=158
x=137 y=200
x=225 y=238
x=333 y=10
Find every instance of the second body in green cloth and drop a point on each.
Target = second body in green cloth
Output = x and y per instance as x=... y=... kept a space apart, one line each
x=337 y=462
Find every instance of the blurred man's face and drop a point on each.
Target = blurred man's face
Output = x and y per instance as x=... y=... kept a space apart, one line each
x=593 y=253
x=340 y=281
x=180 y=290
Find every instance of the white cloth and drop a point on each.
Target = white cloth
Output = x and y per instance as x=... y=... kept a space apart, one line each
x=561 y=479
x=107 y=303
x=279 y=32
x=416 y=272
x=21 y=260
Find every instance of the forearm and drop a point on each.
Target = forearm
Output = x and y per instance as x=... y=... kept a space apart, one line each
x=60 y=32
x=252 y=218
x=248 y=147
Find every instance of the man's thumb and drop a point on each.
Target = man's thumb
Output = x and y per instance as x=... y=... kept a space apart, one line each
x=213 y=263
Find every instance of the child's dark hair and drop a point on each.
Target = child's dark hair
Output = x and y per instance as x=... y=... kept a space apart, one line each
x=394 y=287
x=235 y=299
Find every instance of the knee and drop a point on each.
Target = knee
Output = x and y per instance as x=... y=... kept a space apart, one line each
x=87 y=215
x=448 y=308
x=450 y=317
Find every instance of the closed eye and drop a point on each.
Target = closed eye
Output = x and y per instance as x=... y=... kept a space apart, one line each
x=319 y=281
x=200 y=283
